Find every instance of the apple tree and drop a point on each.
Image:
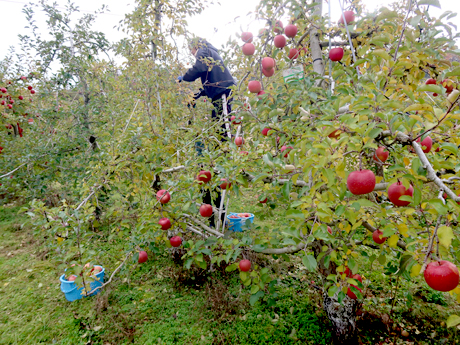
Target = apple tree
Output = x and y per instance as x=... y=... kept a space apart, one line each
x=352 y=138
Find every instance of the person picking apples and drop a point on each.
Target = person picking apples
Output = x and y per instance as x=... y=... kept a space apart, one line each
x=215 y=78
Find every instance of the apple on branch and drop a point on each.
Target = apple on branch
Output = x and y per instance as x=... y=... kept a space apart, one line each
x=361 y=182
x=336 y=54
x=244 y=265
x=165 y=223
x=441 y=275
x=142 y=257
x=175 y=241
x=377 y=237
x=247 y=37
x=380 y=155
x=204 y=176
x=248 y=49
x=350 y=293
x=163 y=196
x=279 y=41
x=290 y=30
x=206 y=210
x=396 y=190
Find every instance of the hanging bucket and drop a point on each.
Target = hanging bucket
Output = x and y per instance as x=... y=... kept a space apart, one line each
x=236 y=221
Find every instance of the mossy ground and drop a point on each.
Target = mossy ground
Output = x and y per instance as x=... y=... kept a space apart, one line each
x=161 y=303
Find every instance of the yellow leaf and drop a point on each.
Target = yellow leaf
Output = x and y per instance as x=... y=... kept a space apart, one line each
x=418 y=118
x=445 y=235
x=415 y=270
x=402 y=228
x=393 y=241
x=406 y=161
x=453 y=320
x=415 y=107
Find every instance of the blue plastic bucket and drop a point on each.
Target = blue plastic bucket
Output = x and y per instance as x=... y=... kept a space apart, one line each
x=235 y=224
x=72 y=292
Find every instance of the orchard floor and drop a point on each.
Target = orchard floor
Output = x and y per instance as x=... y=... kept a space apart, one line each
x=160 y=303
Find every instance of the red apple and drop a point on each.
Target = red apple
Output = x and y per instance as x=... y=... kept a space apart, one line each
x=268 y=63
x=254 y=86
x=329 y=230
x=448 y=85
x=3 y=103
x=175 y=241
x=347 y=271
x=287 y=149
x=350 y=293
x=278 y=28
x=235 y=120
x=96 y=269
x=163 y=196
x=32 y=91
x=427 y=143
x=244 y=215
x=349 y=17
x=142 y=257
x=265 y=131
x=225 y=184
x=268 y=73
x=381 y=155
x=4 y=90
x=441 y=275
x=377 y=237
x=279 y=41
x=361 y=182
x=293 y=54
x=239 y=141
x=21 y=98
x=204 y=176
x=244 y=153
x=247 y=37
x=336 y=54
x=245 y=265
x=29 y=87
x=10 y=106
x=72 y=278
x=397 y=190
x=233 y=217
x=263 y=201
x=165 y=223
x=248 y=49
x=290 y=30
x=260 y=93
x=206 y=210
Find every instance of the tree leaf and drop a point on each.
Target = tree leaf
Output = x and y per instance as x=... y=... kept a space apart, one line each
x=434 y=3
x=310 y=263
x=453 y=320
x=445 y=235
x=393 y=241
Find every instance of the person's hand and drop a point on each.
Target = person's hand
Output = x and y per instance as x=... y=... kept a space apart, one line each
x=179 y=78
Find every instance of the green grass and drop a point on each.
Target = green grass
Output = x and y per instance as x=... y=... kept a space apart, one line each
x=161 y=303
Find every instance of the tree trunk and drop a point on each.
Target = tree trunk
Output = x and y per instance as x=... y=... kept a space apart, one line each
x=343 y=318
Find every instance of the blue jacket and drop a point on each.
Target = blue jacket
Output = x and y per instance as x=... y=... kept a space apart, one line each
x=209 y=66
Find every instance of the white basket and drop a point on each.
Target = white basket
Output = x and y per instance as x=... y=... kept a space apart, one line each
x=295 y=73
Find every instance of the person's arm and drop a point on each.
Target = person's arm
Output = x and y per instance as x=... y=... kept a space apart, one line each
x=198 y=68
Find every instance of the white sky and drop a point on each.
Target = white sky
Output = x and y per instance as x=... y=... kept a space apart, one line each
x=216 y=24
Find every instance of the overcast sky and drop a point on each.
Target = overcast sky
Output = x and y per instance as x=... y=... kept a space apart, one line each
x=216 y=24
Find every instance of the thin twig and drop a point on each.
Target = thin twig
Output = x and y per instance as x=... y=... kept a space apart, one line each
x=111 y=276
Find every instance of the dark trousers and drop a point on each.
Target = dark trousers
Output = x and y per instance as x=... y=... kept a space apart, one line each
x=221 y=134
